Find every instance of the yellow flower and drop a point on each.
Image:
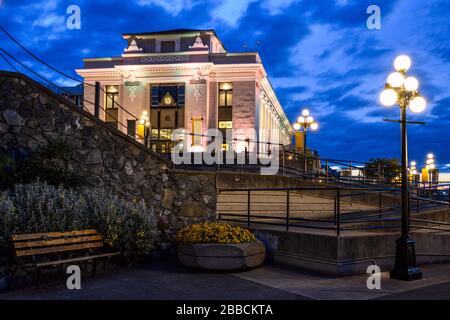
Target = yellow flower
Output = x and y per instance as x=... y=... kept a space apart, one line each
x=214 y=232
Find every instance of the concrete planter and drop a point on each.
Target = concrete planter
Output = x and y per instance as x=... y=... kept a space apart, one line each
x=214 y=256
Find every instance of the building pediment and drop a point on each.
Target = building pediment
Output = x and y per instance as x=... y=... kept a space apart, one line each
x=133 y=47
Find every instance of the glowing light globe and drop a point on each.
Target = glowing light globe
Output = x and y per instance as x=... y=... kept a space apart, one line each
x=388 y=97
x=305 y=112
x=395 y=79
x=314 y=126
x=417 y=104
x=402 y=63
x=411 y=84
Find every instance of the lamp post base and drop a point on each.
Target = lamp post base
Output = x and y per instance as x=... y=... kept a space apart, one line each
x=405 y=261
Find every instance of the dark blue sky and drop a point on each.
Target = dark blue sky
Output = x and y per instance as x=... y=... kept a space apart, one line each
x=318 y=54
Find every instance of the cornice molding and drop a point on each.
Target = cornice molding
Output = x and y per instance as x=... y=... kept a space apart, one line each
x=142 y=70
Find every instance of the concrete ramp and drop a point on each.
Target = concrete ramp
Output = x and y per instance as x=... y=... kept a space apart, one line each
x=278 y=203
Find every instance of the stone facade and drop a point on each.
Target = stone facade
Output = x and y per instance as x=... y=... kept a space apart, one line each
x=244 y=112
x=31 y=116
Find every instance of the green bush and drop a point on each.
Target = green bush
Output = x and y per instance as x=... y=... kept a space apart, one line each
x=128 y=226
x=49 y=163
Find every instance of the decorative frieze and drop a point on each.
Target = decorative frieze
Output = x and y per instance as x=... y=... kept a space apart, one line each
x=162 y=59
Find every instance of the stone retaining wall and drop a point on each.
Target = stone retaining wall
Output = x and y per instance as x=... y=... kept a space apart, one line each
x=31 y=116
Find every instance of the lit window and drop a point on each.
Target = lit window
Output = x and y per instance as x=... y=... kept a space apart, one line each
x=112 y=97
x=225 y=94
x=226 y=86
x=225 y=110
x=196 y=132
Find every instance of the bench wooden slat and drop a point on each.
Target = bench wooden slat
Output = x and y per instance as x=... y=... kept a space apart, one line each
x=43 y=243
x=89 y=245
x=40 y=236
x=51 y=263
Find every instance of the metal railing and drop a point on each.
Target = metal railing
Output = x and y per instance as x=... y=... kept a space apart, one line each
x=337 y=209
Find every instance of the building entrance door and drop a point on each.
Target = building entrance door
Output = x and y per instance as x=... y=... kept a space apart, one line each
x=166 y=114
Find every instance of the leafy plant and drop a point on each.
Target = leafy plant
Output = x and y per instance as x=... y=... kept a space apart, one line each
x=6 y=168
x=49 y=163
x=129 y=226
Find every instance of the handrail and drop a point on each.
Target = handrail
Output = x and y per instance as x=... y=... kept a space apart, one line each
x=337 y=217
x=301 y=189
x=430 y=221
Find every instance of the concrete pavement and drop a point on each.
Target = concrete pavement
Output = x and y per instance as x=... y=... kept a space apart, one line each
x=156 y=280
x=315 y=286
x=169 y=280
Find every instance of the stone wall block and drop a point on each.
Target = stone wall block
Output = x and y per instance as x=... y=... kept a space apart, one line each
x=13 y=118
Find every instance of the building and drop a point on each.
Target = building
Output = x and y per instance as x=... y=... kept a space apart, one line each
x=186 y=78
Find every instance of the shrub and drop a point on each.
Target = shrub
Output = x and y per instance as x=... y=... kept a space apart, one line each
x=214 y=232
x=49 y=163
x=128 y=226
x=6 y=176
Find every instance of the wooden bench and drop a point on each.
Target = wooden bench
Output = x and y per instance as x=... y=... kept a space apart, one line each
x=37 y=251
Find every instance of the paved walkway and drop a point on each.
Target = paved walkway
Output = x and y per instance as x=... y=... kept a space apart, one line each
x=156 y=280
x=314 y=286
x=169 y=280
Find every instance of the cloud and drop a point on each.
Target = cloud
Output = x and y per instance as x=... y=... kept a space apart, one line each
x=327 y=64
x=363 y=115
x=65 y=82
x=57 y=22
x=229 y=11
x=277 y=6
x=173 y=7
x=341 y=3
x=39 y=22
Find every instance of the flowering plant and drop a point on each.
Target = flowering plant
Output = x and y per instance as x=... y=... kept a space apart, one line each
x=214 y=232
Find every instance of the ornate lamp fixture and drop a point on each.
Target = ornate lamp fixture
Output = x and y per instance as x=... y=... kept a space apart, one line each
x=403 y=90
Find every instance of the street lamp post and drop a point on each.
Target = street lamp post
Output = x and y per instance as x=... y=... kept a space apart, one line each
x=306 y=122
x=430 y=166
x=403 y=90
